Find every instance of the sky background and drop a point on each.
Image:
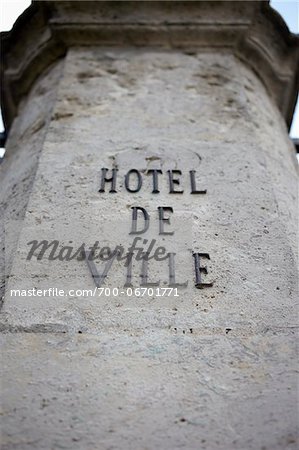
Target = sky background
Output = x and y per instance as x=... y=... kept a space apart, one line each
x=288 y=9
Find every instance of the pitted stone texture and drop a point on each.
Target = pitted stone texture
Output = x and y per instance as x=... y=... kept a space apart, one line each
x=19 y=166
x=164 y=109
x=253 y=31
x=213 y=370
x=149 y=391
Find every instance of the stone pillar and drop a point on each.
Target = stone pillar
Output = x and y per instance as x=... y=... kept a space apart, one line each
x=185 y=107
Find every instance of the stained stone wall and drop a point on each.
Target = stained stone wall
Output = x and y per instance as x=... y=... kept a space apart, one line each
x=21 y=159
x=214 y=368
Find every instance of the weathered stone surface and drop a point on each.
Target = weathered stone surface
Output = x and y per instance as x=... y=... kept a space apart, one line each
x=213 y=368
x=19 y=166
x=148 y=391
x=250 y=30
x=149 y=109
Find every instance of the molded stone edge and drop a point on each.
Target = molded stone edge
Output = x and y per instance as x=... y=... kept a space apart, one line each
x=253 y=31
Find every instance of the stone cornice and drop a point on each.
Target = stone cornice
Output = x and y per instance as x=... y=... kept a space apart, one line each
x=252 y=30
